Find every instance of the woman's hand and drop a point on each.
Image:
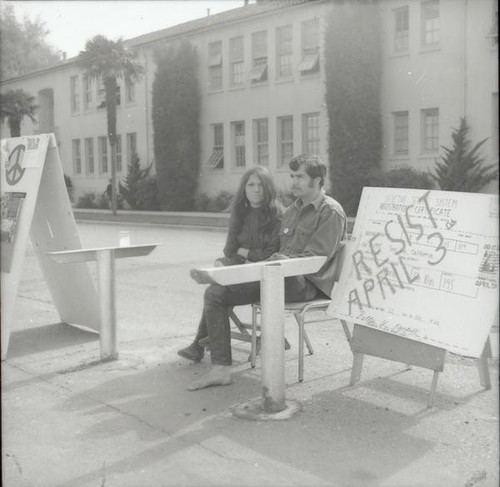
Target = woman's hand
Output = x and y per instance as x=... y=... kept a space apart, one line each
x=218 y=263
x=243 y=252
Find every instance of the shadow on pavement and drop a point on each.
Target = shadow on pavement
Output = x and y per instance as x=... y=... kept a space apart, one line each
x=46 y=338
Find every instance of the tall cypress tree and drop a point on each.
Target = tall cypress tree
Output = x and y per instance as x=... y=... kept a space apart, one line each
x=176 y=114
x=353 y=84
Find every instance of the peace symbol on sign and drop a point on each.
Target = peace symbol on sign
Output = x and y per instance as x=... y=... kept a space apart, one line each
x=13 y=171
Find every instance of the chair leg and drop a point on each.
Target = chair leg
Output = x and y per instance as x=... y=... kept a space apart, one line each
x=300 y=317
x=253 y=351
x=301 y=348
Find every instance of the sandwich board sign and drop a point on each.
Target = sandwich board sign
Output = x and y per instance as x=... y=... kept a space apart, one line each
x=423 y=265
x=35 y=202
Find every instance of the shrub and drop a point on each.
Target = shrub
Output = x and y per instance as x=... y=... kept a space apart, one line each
x=404 y=177
x=462 y=168
x=132 y=189
x=86 y=201
x=353 y=85
x=147 y=194
x=176 y=119
x=219 y=203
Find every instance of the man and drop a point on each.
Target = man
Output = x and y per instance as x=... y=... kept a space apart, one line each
x=314 y=224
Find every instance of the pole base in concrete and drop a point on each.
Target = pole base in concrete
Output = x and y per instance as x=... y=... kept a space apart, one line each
x=254 y=411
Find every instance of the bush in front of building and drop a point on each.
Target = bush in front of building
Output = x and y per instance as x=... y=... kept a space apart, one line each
x=402 y=177
x=219 y=203
x=352 y=96
x=93 y=201
x=462 y=168
x=147 y=194
x=139 y=190
x=176 y=120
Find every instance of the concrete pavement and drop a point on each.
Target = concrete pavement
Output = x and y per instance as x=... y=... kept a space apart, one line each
x=70 y=420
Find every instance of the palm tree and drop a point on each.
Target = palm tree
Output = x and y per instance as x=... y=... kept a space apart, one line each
x=14 y=106
x=110 y=61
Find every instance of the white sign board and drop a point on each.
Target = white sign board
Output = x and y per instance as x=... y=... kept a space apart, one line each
x=423 y=265
x=34 y=201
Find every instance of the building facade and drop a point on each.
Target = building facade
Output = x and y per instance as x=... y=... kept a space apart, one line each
x=262 y=82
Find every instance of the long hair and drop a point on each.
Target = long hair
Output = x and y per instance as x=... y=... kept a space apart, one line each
x=241 y=205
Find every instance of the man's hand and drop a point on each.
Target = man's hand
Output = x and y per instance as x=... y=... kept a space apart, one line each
x=200 y=277
x=243 y=252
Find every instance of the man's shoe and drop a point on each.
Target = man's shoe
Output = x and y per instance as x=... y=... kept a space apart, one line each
x=194 y=352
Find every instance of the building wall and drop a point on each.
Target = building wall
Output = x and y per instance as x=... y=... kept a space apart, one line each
x=458 y=76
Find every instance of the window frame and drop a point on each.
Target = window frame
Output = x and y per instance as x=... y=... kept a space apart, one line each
x=401 y=40
x=284 y=50
x=76 y=147
x=89 y=155
x=236 y=62
x=131 y=145
x=401 y=134
x=102 y=151
x=215 y=65
x=238 y=155
x=306 y=140
x=88 y=93
x=216 y=159
x=283 y=158
x=74 y=82
x=119 y=153
x=429 y=121
x=434 y=31
x=261 y=147
x=130 y=93
x=259 y=71
x=310 y=62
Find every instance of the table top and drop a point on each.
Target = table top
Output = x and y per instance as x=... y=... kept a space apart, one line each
x=238 y=274
x=86 y=255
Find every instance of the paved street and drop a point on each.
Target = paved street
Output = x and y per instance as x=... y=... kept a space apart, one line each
x=68 y=420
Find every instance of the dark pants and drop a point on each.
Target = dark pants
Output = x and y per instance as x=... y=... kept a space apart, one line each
x=218 y=299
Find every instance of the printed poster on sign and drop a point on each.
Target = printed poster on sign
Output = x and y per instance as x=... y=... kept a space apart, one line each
x=423 y=265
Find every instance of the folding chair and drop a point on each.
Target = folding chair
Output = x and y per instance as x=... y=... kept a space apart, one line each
x=300 y=311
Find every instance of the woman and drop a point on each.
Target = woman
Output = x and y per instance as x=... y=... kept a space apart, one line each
x=253 y=236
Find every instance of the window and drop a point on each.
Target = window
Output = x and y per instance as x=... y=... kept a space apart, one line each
x=75 y=94
x=309 y=63
x=119 y=158
x=101 y=94
x=400 y=133
x=77 y=156
x=103 y=154
x=131 y=146
x=236 y=59
x=238 y=138
x=129 y=92
x=216 y=160
x=310 y=133
x=430 y=23
x=285 y=140
x=215 y=65
x=89 y=155
x=430 y=130
x=87 y=92
x=401 y=29
x=284 y=51
x=261 y=138
x=258 y=73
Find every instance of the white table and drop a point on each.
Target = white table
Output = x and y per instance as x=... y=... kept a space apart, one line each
x=105 y=258
x=271 y=275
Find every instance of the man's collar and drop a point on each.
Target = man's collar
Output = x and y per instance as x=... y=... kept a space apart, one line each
x=316 y=203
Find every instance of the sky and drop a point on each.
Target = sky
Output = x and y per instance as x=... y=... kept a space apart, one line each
x=72 y=22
